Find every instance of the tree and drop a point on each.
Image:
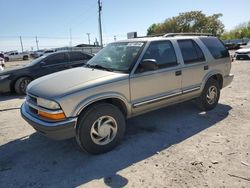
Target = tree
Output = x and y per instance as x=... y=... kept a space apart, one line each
x=239 y=32
x=194 y=21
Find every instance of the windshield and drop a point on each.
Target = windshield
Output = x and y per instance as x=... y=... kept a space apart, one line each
x=37 y=60
x=117 y=56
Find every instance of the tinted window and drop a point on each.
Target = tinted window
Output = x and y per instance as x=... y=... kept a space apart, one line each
x=163 y=52
x=56 y=59
x=191 y=52
x=77 y=56
x=216 y=47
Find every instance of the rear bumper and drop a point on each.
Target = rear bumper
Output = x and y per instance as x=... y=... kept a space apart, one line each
x=227 y=80
x=56 y=130
x=5 y=86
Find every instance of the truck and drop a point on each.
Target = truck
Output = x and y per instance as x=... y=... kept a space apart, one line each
x=15 y=55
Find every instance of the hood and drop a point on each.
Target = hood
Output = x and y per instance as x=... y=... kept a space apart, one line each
x=65 y=82
x=243 y=50
x=12 y=70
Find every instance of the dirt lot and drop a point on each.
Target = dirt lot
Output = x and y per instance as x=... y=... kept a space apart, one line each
x=178 y=146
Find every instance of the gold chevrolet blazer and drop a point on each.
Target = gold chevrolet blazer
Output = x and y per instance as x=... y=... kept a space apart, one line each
x=125 y=79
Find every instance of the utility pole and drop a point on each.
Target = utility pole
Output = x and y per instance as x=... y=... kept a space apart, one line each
x=100 y=21
x=70 y=37
x=37 y=47
x=21 y=43
x=88 y=37
x=114 y=37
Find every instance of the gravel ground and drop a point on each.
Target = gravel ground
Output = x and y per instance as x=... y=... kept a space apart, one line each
x=177 y=146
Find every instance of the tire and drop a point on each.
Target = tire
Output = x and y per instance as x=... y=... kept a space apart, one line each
x=210 y=95
x=96 y=140
x=25 y=57
x=6 y=59
x=21 y=85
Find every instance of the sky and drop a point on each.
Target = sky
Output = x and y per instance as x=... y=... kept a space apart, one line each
x=52 y=21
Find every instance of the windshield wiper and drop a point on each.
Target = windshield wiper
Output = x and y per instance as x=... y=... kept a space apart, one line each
x=99 y=67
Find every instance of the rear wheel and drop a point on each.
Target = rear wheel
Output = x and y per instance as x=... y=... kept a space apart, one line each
x=210 y=95
x=21 y=85
x=100 y=128
x=6 y=59
x=25 y=57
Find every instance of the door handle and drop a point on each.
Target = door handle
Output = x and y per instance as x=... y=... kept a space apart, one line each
x=177 y=73
x=206 y=67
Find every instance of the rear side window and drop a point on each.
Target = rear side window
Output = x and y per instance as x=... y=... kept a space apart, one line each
x=216 y=47
x=191 y=52
x=56 y=59
x=77 y=56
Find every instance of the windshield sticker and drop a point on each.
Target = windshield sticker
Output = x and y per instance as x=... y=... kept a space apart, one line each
x=137 y=44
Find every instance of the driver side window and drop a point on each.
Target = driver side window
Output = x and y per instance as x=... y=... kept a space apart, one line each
x=162 y=53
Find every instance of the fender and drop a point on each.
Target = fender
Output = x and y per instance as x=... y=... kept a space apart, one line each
x=208 y=75
x=102 y=96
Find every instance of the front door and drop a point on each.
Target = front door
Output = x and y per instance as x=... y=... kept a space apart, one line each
x=156 y=88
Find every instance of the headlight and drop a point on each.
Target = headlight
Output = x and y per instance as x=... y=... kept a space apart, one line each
x=47 y=104
x=4 y=76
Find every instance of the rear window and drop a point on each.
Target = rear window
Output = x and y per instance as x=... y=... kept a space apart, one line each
x=216 y=47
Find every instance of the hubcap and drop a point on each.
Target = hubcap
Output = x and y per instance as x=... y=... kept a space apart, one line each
x=212 y=95
x=103 y=130
x=24 y=84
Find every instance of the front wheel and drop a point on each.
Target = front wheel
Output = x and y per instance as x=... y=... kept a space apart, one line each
x=210 y=95
x=100 y=128
x=21 y=85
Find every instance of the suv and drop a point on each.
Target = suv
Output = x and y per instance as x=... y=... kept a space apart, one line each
x=125 y=79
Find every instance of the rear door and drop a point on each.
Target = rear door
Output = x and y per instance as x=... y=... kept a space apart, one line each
x=195 y=65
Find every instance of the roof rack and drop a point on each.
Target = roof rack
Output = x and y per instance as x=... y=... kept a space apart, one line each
x=187 y=34
x=155 y=35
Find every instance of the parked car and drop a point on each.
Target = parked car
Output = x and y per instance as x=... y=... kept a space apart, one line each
x=14 y=55
x=125 y=79
x=243 y=53
x=17 y=79
x=232 y=46
x=2 y=64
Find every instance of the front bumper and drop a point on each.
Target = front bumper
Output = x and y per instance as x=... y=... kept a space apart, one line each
x=56 y=130
x=5 y=85
x=227 y=80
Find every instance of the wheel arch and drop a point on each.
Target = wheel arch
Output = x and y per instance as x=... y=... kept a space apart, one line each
x=216 y=75
x=118 y=101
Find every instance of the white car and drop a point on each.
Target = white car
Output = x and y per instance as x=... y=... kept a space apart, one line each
x=243 y=53
x=2 y=64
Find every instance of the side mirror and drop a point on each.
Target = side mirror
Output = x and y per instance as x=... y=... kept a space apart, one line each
x=42 y=64
x=148 y=65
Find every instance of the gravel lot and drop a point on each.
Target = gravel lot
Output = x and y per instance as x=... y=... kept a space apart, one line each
x=178 y=146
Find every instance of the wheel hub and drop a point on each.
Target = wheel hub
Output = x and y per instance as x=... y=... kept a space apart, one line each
x=212 y=95
x=103 y=130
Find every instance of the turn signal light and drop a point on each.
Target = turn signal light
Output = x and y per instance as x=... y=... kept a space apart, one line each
x=59 y=116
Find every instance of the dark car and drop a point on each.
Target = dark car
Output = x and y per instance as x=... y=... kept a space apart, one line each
x=16 y=80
